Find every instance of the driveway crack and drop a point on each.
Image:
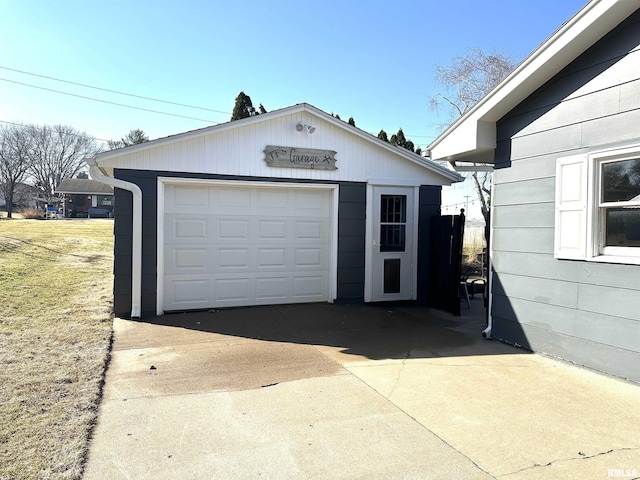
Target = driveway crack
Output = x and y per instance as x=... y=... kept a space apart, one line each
x=581 y=456
x=395 y=385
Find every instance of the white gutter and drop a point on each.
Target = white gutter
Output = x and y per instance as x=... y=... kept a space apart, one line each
x=486 y=333
x=136 y=251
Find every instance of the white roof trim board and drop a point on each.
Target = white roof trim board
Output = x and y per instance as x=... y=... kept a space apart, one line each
x=301 y=107
x=473 y=136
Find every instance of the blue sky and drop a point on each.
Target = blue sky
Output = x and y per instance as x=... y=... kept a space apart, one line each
x=373 y=60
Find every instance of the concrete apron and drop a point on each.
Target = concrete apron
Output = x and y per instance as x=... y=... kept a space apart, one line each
x=328 y=391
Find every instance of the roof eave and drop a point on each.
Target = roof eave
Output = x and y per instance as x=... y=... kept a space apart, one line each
x=474 y=133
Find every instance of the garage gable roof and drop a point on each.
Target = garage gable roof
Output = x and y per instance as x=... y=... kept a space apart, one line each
x=301 y=107
x=473 y=136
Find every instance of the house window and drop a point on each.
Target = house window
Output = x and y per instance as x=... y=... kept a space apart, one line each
x=598 y=206
x=619 y=206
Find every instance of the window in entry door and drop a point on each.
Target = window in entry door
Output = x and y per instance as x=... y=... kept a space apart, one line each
x=393 y=218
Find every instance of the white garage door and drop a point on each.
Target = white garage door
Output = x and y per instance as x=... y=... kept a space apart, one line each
x=230 y=246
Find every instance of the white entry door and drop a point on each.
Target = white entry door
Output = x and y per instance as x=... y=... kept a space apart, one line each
x=392 y=252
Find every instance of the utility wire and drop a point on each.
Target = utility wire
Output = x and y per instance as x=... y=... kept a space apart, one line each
x=133 y=96
x=114 y=91
x=111 y=103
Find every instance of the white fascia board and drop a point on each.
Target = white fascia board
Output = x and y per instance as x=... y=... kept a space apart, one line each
x=470 y=134
x=453 y=177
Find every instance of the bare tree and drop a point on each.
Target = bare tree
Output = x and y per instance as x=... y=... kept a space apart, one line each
x=466 y=81
x=58 y=152
x=15 y=162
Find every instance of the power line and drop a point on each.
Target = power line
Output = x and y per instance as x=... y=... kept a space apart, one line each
x=133 y=96
x=110 y=103
x=114 y=91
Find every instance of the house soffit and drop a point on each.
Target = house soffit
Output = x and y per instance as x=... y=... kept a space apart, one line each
x=469 y=136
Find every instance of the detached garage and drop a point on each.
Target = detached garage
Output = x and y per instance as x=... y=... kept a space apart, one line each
x=290 y=206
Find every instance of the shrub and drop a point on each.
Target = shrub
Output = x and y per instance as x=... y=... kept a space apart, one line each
x=31 y=212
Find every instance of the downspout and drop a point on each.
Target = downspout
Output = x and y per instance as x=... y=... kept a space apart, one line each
x=98 y=174
x=486 y=333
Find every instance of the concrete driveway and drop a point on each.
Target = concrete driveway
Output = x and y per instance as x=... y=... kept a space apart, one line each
x=352 y=392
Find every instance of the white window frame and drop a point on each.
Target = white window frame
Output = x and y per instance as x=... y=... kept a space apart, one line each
x=599 y=251
x=580 y=213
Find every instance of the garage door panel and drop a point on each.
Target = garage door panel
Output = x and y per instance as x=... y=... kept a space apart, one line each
x=188 y=259
x=232 y=289
x=190 y=228
x=269 y=258
x=270 y=229
x=231 y=200
x=233 y=258
x=191 y=259
x=273 y=199
x=232 y=229
x=187 y=229
x=272 y=288
x=306 y=230
x=305 y=287
x=309 y=258
x=316 y=204
x=187 y=199
x=245 y=246
x=192 y=293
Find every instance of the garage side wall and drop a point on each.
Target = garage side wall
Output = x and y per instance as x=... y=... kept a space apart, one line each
x=584 y=312
x=351 y=237
x=429 y=205
x=351 y=242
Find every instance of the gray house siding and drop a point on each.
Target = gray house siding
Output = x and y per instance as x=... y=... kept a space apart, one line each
x=351 y=237
x=584 y=312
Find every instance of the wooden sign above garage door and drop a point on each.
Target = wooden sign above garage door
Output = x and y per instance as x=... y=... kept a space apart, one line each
x=290 y=157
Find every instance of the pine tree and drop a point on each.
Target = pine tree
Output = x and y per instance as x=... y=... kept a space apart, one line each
x=399 y=140
x=382 y=135
x=134 y=137
x=243 y=107
x=351 y=121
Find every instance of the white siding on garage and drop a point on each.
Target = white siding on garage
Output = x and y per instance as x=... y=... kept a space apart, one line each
x=238 y=149
x=243 y=245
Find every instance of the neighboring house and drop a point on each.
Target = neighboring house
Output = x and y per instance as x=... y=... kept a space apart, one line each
x=563 y=131
x=289 y=206
x=82 y=197
x=24 y=196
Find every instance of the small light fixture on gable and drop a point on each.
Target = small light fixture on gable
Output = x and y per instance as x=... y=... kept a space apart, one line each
x=301 y=126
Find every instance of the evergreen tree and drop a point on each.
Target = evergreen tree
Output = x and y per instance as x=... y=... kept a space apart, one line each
x=262 y=109
x=132 y=138
x=382 y=135
x=243 y=107
x=399 y=140
x=351 y=121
